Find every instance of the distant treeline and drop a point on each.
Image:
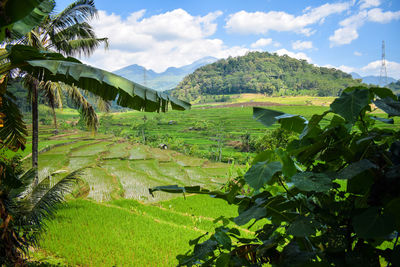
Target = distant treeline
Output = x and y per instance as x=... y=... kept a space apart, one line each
x=263 y=72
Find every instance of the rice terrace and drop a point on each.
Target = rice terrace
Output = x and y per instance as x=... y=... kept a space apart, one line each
x=174 y=134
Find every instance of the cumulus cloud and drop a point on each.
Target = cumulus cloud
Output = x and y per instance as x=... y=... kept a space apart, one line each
x=369 y=3
x=174 y=38
x=261 y=43
x=344 y=68
x=358 y=54
x=349 y=26
x=302 y=45
x=376 y=15
x=374 y=67
x=299 y=55
x=244 y=22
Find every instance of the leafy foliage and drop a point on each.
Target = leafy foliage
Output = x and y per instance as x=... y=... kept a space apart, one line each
x=24 y=207
x=265 y=73
x=332 y=198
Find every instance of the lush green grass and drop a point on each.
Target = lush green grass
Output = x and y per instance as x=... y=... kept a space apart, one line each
x=90 y=234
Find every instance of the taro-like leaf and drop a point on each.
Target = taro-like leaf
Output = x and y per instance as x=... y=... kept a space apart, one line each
x=255 y=212
x=309 y=181
x=356 y=168
x=261 y=173
x=383 y=92
x=301 y=227
x=373 y=224
x=293 y=123
x=393 y=208
x=390 y=106
x=223 y=239
x=350 y=104
x=223 y=260
x=266 y=116
x=288 y=167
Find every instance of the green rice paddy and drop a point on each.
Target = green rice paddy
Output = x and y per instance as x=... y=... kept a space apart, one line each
x=115 y=221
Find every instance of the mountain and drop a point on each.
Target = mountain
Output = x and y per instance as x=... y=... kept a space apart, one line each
x=161 y=81
x=263 y=72
x=371 y=79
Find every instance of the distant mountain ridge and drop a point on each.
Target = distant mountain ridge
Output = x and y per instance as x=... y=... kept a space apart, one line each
x=166 y=80
x=372 y=79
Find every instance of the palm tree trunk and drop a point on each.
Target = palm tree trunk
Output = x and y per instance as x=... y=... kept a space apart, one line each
x=55 y=121
x=35 y=132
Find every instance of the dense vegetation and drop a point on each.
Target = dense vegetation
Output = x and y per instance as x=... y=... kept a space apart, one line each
x=263 y=72
x=395 y=86
x=331 y=198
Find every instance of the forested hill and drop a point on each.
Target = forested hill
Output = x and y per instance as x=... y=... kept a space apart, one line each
x=263 y=72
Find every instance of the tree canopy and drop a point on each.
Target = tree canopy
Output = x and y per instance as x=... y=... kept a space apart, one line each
x=263 y=72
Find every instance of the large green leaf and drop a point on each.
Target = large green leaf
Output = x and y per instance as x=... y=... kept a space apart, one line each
x=301 y=227
x=55 y=67
x=355 y=169
x=373 y=224
x=390 y=106
x=288 y=166
x=309 y=181
x=383 y=92
x=293 y=123
x=350 y=104
x=261 y=173
x=266 y=116
x=21 y=16
x=254 y=212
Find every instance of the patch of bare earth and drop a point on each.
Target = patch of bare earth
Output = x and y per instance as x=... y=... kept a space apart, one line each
x=245 y=104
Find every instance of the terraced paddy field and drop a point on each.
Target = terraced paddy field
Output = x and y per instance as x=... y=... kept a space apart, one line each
x=111 y=220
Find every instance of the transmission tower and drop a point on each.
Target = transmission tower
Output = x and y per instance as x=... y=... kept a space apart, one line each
x=383 y=75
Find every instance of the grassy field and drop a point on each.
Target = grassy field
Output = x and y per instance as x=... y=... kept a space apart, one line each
x=114 y=221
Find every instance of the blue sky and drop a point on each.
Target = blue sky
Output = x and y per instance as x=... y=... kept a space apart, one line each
x=159 y=34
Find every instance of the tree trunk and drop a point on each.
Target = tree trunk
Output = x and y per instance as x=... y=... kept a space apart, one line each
x=35 y=132
x=55 y=121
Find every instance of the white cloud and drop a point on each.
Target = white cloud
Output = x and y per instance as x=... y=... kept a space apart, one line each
x=374 y=68
x=376 y=15
x=343 y=36
x=349 y=26
x=299 y=55
x=358 y=54
x=344 y=68
x=244 y=22
x=299 y=45
x=174 y=38
x=261 y=43
x=369 y=3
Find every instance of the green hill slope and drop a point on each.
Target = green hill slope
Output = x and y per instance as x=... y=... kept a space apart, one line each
x=263 y=72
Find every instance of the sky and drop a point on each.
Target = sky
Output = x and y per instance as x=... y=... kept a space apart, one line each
x=346 y=35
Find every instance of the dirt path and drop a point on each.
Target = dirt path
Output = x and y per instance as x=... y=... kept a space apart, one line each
x=244 y=104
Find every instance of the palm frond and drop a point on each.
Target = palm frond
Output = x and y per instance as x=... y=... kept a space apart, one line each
x=84 y=47
x=51 y=92
x=103 y=105
x=77 y=12
x=85 y=108
x=41 y=203
x=13 y=132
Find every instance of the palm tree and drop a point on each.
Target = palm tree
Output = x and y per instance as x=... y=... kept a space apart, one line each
x=67 y=33
x=24 y=207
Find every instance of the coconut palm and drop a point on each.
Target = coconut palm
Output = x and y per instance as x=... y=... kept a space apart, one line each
x=24 y=207
x=67 y=33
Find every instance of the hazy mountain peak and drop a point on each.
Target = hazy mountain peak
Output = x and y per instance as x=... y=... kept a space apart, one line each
x=165 y=80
